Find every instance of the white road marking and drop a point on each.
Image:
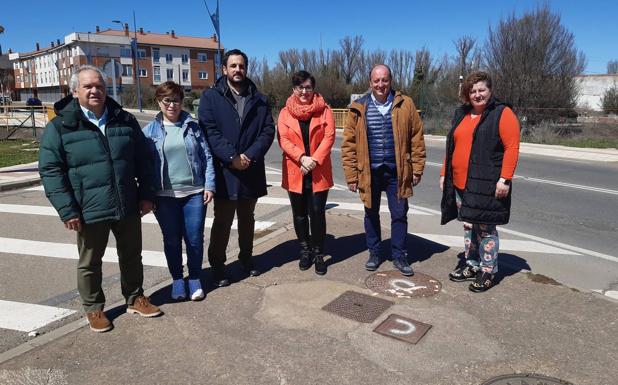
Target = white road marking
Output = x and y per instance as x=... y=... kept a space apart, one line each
x=559 y=244
x=149 y=218
x=278 y=184
x=551 y=182
x=69 y=251
x=505 y=244
x=26 y=317
x=333 y=205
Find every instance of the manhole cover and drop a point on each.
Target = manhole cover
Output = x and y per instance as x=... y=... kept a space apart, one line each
x=358 y=307
x=402 y=328
x=525 y=379
x=396 y=285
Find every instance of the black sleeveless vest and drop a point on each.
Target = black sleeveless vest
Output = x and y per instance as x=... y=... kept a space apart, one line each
x=479 y=204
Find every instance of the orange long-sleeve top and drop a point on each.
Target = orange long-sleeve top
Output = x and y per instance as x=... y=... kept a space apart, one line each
x=509 y=134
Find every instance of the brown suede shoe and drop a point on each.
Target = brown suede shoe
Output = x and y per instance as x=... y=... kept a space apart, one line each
x=98 y=321
x=143 y=307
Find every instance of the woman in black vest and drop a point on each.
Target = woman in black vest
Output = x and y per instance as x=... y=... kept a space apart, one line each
x=482 y=148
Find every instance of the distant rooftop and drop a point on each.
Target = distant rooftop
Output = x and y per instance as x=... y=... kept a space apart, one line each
x=169 y=39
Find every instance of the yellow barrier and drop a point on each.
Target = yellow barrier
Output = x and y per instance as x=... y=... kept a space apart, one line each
x=339 y=114
x=50 y=113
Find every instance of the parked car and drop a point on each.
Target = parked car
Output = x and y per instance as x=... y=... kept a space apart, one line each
x=34 y=102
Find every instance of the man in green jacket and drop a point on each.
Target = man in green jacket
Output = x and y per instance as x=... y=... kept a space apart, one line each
x=94 y=167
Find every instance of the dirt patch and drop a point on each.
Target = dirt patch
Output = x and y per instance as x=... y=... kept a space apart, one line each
x=540 y=278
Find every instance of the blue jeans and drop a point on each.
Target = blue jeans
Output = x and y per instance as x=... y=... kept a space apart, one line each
x=182 y=218
x=384 y=178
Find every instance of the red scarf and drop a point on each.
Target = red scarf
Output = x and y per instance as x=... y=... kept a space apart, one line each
x=305 y=111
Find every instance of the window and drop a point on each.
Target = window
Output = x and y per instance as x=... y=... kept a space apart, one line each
x=185 y=75
x=203 y=75
x=157 y=74
x=185 y=58
x=155 y=55
x=125 y=52
x=143 y=73
x=170 y=74
x=127 y=70
x=168 y=58
x=201 y=56
x=141 y=53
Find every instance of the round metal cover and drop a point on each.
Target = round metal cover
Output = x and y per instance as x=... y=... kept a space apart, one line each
x=396 y=285
x=525 y=379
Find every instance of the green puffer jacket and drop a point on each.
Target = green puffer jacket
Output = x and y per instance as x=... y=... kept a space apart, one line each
x=90 y=175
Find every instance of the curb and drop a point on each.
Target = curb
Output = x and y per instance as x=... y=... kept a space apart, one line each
x=62 y=331
x=14 y=185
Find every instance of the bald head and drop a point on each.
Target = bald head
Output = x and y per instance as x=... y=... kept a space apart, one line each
x=381 y=68
x=380 y=82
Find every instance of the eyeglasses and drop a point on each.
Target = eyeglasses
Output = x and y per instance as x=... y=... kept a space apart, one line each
x=304 y=88
x=167 y=101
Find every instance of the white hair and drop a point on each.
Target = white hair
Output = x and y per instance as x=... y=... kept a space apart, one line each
x=74 y=82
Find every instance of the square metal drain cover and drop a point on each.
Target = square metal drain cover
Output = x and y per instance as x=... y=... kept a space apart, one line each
x=358 y=307
x=402 y=328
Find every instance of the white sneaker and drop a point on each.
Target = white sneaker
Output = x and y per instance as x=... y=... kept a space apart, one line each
x=178 y=289
x=195 y=290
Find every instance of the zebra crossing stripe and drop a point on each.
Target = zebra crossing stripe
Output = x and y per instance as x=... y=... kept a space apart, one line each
x=27 y=317
x=150 y=218
x=335 y=205
x=69 y=251
x=505 y=244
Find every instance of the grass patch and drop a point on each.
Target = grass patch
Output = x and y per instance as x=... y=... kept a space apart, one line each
x=18 y=151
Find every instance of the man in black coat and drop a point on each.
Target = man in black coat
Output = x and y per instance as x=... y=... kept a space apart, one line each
x=239 y=127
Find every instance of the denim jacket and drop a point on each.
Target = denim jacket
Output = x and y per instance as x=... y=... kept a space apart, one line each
x=198 y=152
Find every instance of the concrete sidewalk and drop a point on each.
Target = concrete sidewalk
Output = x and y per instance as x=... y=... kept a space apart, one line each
x=272 y=329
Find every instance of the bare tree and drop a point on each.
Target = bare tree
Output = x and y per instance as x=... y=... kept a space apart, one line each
x=534 y=61
x=464 y=46
x=401 y=63
x=349 y=55
x=612 y=67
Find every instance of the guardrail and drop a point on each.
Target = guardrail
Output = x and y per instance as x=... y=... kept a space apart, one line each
x=15 y=118
x=339 y=114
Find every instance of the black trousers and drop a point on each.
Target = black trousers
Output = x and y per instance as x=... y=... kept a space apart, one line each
x=308 y=212
x=224 y=210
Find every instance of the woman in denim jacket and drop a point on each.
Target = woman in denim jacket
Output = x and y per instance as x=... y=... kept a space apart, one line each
x=185 y=184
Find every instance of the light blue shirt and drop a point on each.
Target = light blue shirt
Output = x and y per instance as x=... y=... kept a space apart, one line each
x=386 y=107
x=94 y=120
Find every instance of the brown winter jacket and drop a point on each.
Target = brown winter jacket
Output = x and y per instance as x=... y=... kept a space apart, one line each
x=409 y=146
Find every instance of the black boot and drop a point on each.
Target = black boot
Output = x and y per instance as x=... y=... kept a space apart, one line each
x=318 y=260
x=306 y=258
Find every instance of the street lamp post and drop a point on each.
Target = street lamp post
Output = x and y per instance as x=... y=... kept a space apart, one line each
x=214 y=17
x=135 y=61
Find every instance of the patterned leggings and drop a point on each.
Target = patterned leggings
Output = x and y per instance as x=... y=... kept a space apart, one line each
x=481 y=244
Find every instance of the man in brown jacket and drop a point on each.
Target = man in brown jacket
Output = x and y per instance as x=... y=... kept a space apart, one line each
x=383 y=149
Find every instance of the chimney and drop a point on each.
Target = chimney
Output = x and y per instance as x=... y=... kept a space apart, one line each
x=38 y=47
x=173 y=34
x=167 y=32
x=58 y=42
x=52 y=44
x=98 y=29
x=126 y=29
x=141 y=30
x=10 y=50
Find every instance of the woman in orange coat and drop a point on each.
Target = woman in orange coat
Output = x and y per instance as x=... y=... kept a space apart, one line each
x=306 y=131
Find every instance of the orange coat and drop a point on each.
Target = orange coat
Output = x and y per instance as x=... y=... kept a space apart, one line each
x=321 y=139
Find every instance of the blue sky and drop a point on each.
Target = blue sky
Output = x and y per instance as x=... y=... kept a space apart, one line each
x=263 y=28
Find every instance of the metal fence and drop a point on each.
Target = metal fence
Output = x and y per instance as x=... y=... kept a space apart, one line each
x=23 y=120
x=339 y=114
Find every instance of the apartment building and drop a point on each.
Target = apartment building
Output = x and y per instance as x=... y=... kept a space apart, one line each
x=45 y=73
